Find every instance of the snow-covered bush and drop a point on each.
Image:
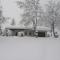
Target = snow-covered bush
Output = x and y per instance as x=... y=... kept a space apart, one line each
x=20 y=33
x=56 y=35
x=9 y=33
x=48 y=34
x=5 y=32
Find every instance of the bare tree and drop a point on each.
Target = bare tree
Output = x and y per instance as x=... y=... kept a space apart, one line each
x=52 y=14
x=32 y=11
x=2 y=19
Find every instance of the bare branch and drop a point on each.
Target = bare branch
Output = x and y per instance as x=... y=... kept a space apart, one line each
x=20 y=4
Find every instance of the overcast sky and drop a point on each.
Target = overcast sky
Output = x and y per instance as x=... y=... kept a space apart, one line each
x=10 y=8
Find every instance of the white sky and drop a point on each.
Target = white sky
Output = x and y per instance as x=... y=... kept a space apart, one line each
x=10 y=8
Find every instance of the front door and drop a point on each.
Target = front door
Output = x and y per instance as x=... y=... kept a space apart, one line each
x=41 y=34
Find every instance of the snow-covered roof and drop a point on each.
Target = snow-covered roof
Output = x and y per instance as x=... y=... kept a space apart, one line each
x=44 y=28
x=17 y=27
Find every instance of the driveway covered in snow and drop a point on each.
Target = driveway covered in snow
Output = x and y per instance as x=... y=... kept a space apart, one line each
x=29 y=48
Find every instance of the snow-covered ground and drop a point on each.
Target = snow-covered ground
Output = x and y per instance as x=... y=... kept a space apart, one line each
x=29 y=48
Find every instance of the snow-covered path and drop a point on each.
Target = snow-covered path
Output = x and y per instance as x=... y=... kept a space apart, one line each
x=29 y=48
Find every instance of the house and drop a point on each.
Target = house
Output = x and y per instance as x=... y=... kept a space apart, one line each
x=43 y=31
x=28 y=31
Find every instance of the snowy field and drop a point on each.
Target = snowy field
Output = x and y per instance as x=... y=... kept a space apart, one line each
x=29 y=48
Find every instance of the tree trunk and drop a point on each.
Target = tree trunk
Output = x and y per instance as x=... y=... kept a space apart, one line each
x=35 y=26
x=53 y=29
x=0 y=30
